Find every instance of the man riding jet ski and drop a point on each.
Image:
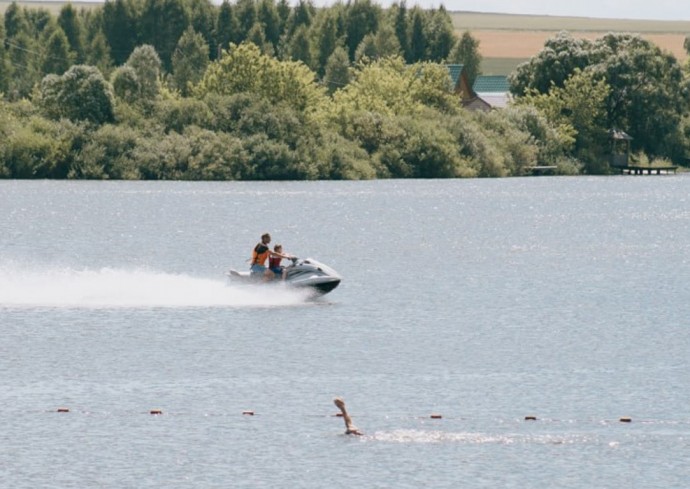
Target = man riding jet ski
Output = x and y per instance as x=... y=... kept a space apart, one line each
x=307 y=273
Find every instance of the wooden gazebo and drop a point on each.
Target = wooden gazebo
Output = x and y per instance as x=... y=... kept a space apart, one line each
x=620 y=148
x=620 y=157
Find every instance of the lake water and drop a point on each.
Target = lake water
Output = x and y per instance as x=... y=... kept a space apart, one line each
x=483 y=301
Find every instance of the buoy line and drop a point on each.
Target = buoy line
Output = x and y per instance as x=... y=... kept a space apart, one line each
x=432 y=416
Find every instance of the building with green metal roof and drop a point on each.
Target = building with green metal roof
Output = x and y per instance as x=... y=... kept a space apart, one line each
x=491 y=84
x=493 y=89
x=488 y=92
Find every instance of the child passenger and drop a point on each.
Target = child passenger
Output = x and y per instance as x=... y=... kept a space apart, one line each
x=274 y=263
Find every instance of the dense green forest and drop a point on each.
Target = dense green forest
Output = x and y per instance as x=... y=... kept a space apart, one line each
x=259 y=89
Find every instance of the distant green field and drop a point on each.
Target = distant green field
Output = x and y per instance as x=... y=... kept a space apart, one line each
x=506 y=40
x=485 y=21
x=53 y=7
x=500 y=66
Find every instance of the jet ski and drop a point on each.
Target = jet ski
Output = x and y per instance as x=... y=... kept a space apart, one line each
x=306 y=273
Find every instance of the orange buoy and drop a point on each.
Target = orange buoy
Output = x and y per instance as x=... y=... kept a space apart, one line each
x=156 y=411
x=63 y=410
x=530 y=418
x=248 y=413
x=436 y=416
x=625 y=419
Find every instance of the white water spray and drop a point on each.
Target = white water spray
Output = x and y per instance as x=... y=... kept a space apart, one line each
x=111 y=287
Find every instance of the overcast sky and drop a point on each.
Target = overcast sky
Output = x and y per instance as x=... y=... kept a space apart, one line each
x=616 y=9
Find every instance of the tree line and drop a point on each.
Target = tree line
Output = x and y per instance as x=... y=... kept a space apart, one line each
x=259 y=89
x=36 y=43
x=617 y=81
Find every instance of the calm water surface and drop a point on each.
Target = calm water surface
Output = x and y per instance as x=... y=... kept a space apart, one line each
x=484 y=301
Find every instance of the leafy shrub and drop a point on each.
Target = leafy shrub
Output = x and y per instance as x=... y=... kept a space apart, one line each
x=40 y=149
x=132 y=116
x=372 y=129
x=228 y=109
x=277 y=122
x=196 y=154
x=432 y=150
x=217 y=156
x=274 y=160
x=6 y=122
x=551 y=144
x=390 y=163
x=22 y=109
x=336 y=157
x=126 y=84
x=147 y=65
x=109 y=153
x=163 y=158
x=245 y=69
x=426 y=150
x=482 y=158
x=518 y=148
x=568 y=166
x=80 y=94
x=176 y=114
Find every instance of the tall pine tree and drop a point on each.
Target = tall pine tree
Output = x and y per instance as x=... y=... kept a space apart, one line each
x=301 y=15
x=5 y=67
x=162 y=25
x=56 y=55
x=15 y=21
x=466 y=53
x=120 y=28
x=245 y=11
x=267 y=15
x=71 y=25
x=227 y=30
x=23 y=55
x=189 y=61
x=440 y=35
x=203 y=19
x=325 y=32
x=418 y=40
x=402 y=30
x=362 y=19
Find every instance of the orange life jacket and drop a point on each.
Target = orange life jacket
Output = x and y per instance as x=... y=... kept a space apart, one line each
x=260 y=254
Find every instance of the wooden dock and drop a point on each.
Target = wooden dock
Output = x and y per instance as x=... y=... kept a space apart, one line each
x=542 y=170
x=641 y=170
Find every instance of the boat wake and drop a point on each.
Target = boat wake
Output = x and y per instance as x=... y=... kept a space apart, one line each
x=420 y=436
x=113 y=287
